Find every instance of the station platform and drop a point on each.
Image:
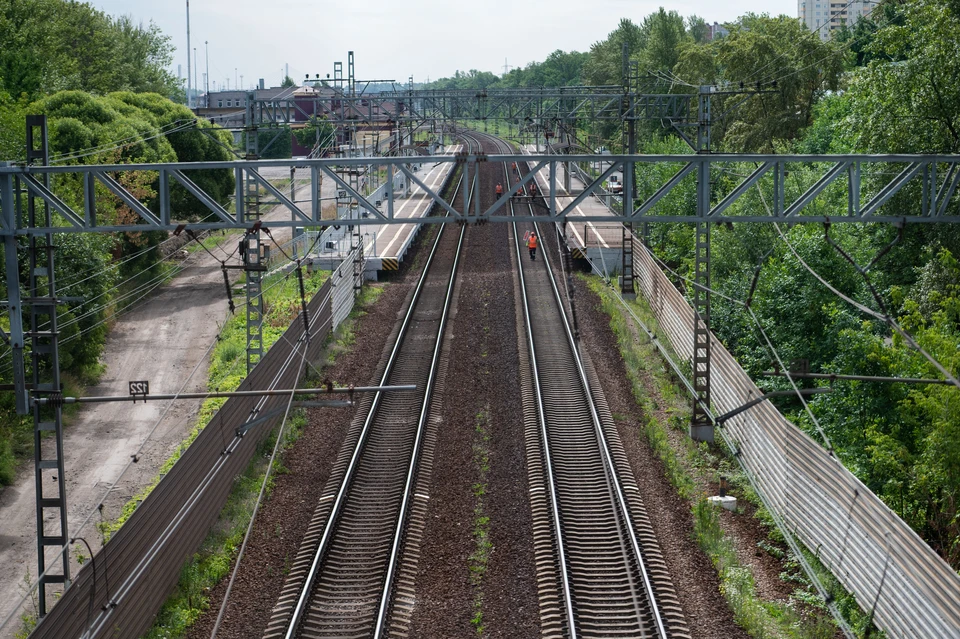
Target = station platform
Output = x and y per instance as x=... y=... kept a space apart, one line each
x=386 y=245
x=601 y=242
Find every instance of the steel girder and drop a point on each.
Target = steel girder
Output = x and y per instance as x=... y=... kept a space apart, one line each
x=564 y=104
x=903 y=189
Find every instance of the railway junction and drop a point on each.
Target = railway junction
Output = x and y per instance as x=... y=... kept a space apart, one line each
x=483 y=340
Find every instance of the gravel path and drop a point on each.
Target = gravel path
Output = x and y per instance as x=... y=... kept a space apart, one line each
x=163 y=339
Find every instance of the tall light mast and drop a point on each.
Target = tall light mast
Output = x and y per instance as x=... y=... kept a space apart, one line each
x=189 y=79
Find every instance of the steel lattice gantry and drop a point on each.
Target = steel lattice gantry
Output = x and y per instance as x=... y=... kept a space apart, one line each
x=790 y=189
x=900 y=189
x=566 y=104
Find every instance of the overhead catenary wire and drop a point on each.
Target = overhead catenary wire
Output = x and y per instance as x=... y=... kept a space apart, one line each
x=889 y=320
x=123 y=145
x=745 y=305
x=113 y=144
x=842 y=50
x=731 y=445
x=157 y=281
x=178 y=519
x=815 y=33
x=911 y=341
x=135 y=457
x=259 y=501
x=132 y=306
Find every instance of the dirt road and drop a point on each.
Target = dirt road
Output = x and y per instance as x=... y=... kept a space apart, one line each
x=163 y=340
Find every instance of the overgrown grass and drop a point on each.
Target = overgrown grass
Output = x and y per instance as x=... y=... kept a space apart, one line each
x=228 y=369
x=213 y=561
x=689 y=466
x=480 y=557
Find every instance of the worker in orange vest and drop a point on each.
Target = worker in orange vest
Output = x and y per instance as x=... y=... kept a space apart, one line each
x=499 y=190
x=532 y=245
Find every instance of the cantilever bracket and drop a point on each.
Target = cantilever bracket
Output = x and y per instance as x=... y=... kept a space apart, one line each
x=803 y=391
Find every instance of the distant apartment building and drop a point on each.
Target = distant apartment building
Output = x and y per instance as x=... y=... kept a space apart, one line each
x=717 y=31
x=823 y=17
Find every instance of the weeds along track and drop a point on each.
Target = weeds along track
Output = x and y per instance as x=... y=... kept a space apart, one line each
x=600 y=571
x=352 y=577
x=119 y=592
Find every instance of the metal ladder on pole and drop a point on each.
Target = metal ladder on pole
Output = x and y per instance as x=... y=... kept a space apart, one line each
x=253 y=266
x=45 y=360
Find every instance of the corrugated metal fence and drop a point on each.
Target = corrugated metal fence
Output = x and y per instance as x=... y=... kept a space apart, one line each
x=148 y=552
x=849 y=528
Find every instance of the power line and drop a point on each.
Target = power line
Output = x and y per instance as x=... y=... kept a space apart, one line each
x=113 y=143
x=125 y=144
x=756 y=321
x=911 y=341
x=842 y=49
x=795 y=46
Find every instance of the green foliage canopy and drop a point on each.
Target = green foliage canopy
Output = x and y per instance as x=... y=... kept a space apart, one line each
x=53 y=45
x=907 y=98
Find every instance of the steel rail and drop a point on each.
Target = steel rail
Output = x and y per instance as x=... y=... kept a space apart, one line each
x=601 y=437
x=353 y=465
x=421 y=427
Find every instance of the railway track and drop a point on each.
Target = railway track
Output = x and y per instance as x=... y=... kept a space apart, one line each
x=600 y=572
x=348 y=579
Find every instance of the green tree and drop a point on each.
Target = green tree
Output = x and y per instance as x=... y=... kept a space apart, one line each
x=51 y=45
x=759 y=52
x=665 y=33
x=605 y=63
x=288 y=82
x=698 y=29
x=911 y=104
x=317 y=131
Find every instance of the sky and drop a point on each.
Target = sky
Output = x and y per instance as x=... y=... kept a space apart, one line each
x=427 y=39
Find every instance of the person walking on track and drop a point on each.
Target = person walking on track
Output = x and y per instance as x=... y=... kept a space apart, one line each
x=532 y=245
x=499 y=190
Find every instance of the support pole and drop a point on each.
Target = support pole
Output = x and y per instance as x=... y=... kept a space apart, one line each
x=701 y=426
x=14 y=306
x=252 y=256
x=627 y=289
x=45 y=361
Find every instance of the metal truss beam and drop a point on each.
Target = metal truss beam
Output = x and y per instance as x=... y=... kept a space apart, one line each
x=902 y=189
x=565 y=104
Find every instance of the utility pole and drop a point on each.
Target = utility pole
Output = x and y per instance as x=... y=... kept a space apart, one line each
x=240 y=86
x=206 y=76
x=701 y=427
x=235 y=76
x=189 y=80
x=627 y=195
x=196 y=76
x=253 y=257
x=44 y=337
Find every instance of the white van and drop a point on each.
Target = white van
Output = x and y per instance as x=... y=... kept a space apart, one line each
x=615 y=183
